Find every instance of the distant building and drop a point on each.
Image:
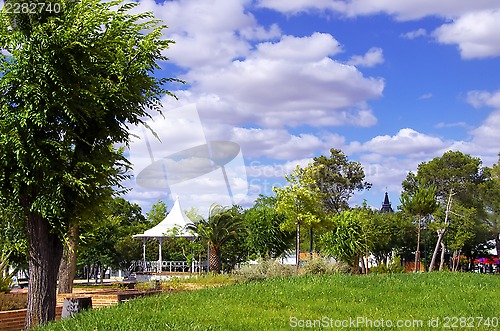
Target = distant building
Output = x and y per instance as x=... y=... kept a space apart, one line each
x=386 y=206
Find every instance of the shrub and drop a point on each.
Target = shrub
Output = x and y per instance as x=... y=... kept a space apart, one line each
x=5 y=276
x=324 y=266
x=12 y=301
x=208 y=279
x=264 y=269
x=394 y=267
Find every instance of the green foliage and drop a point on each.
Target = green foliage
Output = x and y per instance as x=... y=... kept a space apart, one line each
x=300 y=200
x=264 y=269
x=324 y=266
x=452 y=172
x=393 y=267
x=157 y=213
x=220 y=228
x=68 y=90
x=71 y=85
x=206 y=279
x=421 y=202
x=337 y=179
x=5 y=275
x=391 y=232
x=462 y=176
x=272 y=304
x=491 y=198
x=347 y=239
x=108 y=241
x=265 y=238
x=13 y=237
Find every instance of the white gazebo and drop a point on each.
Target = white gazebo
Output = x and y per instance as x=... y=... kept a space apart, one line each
x=174 y=225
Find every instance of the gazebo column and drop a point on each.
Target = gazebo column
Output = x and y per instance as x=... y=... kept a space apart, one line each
x=144 y=253
x=160 y=240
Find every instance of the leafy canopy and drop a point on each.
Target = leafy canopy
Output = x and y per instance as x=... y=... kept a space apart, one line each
x=347 y=240
x=300 y=200
x=337 y=178
x=70 y=84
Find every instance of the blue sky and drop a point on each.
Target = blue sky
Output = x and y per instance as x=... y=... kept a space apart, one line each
x=390 y=83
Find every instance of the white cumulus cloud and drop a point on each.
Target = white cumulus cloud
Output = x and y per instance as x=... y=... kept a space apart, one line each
x=480 y=99
x=475 y=34
x=373 y=57
x=415 y=34
x=406 y=141
x=291 y=82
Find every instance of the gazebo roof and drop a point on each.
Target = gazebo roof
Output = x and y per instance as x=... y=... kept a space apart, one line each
x=173 y=225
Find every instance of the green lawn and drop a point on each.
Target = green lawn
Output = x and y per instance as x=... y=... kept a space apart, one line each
x=438 y=300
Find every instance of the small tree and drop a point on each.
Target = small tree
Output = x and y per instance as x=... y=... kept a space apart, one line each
x=157 y=213
x=347 y=241
x=422 y=203
x=5 y=274
x=222 y=225
x=300 y=202
x=265 y=237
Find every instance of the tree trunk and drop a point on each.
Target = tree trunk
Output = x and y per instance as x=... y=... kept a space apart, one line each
x=310 y=243
x=443 y=251
x=497 y=244
x=456 y=260
x=417 y=252
x=441 y=233
x=102 y=273
x=215 y=262
x=96 y=272
x=44 y=251
x=67 y=268
x=297 y=248
x=355 y=266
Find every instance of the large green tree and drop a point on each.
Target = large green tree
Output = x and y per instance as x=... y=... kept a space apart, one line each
x=458 y=179
x=337 y=179
x=491 y=194
x=391 y=233
x=71 y=80
x=107 y=241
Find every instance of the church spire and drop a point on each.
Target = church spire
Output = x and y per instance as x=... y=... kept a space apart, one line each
x=386 y=206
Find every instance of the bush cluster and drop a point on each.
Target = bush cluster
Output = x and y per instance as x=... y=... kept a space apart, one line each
x=11 y=301
x=5 y=276
x=324 y=266
x=264 y=269
x=393 y=267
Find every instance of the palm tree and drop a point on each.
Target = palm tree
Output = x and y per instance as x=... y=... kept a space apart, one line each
x=221 y=226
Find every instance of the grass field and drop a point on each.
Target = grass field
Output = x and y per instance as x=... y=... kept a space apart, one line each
x=434 y=301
